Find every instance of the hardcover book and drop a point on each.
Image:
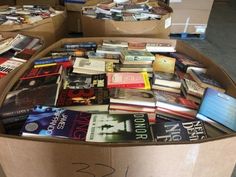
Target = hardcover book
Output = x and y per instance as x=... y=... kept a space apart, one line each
x=119 y=128
x=128 y=80
x=218 y=109
x=185 y=63
x=205 y=80
x=176 y=102
x=164 y=64
x=166 y=79
x=81 y=45
x=47 y=121
x=137 y=55
x=42 y=71
x=84 y=81
x=160 y=47
x=87 y=66
x=114 y=43
x=179 y=131
x=92 y=96
x=132 y=97
x=193 y=88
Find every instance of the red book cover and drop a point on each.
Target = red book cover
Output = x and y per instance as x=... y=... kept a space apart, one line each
x=42 y=71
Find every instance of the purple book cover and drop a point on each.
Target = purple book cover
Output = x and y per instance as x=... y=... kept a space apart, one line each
x=56 y=122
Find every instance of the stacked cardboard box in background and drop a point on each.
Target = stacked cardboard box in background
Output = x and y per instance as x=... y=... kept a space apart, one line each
x=190 y=16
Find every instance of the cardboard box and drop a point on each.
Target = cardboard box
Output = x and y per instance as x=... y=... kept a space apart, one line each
x=147 y=28
x=51 y=29
x=52 y=3
x=190 y=16
x=8 y=2
x=74 y=22
x=77 y=7
x=44 y=157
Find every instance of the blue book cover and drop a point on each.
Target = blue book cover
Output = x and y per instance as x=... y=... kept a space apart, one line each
x=56 y=122
x=218 y=107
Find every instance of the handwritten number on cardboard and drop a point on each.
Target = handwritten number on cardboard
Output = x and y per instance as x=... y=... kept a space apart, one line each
x=85 y=167
x=108 y=174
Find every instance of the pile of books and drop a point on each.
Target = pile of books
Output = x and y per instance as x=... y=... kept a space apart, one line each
x=14 y=51
x=78 y=91
x=126 y=11
x=26 y=14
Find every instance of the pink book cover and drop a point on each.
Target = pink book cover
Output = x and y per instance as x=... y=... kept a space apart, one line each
x=128 y=80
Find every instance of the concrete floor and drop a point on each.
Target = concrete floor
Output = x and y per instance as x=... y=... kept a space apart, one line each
x=220 y=42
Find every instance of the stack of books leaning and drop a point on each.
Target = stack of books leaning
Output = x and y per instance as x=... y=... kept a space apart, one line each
x=80 y=92
x=14 y=51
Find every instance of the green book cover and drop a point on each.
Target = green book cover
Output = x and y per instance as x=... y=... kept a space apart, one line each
x=118 y=128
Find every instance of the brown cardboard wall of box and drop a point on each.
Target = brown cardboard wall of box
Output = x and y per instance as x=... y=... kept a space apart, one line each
x=52 y=3
x=190 y=16
x=63 y=158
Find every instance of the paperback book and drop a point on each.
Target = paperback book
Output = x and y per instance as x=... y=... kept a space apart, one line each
x=44 y=121
x=166 y=79
x=179 y=131
x=115 y=128
x=219 y=110
x=164 y=64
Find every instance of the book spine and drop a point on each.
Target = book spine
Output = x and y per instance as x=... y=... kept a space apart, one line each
x=135 y=85
x=51 y=60
x=14 y=119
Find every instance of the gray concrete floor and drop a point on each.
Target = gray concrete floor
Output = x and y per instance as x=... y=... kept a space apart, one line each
x=220 y=42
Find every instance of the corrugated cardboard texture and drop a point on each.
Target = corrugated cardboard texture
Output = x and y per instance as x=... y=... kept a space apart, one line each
x=190 y=16
x=147 y=28
x=22 y=157
x=51 y=29
x=38 y=2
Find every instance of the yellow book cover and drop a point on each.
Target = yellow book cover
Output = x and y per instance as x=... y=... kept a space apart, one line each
x=146 y=81
x=164 y=64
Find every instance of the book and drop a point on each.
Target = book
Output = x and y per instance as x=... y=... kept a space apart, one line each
x=219 y=110
x=83 y=45
x=114 y=43
x=137 y=45
x=99 y=108
x=165 y=88
x=9 y=65
x=190 y=96
x=14 y=119
x=20 y=102
x=176 y=102
x=166 y=79
x=45 y=121
x=134 y=68
x=119 y=128
x=137 y=55
x=37 y=82
x=179 y=131
x=160 y=47
x=132 y=97
x=185 y=62
x=193 y=88
x=115 y=58
x=80 y=81
x=108 y=50
x=205 y=80
x=20 y=42
x=128 y=80
x=42 y=71
x=91 y=96
x=24 y=55
x=50 y=60
x=164 y=64
x=87 y=66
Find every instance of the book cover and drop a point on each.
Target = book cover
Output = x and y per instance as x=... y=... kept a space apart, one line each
x=21 y=101
x=108 y=50
x=88 y=66
x=37 y=82
x=137 y=45
x=133 y=68
x=114 y=43
x=219 y=109
x=190 y=96
x=193 y=88
x=179 y=131
x=9 y=65
x=132 y=97
x=205 y=81
x=72 y=97
x=160 y=47
x=137 y=55
x=166 y=79
x=50 y=60
x=83 y=45
x=119 y=128
x=47 y=121
x=184 y=62
x=175 y=102
x=84 y=81
x=42 y=71
x=128 y=80
x=164 y=64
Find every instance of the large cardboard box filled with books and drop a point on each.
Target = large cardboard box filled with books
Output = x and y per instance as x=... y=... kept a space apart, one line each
x=52 y=3
x=51 y=29
x=129 y=24
x=190 y=16
x=54 y=157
